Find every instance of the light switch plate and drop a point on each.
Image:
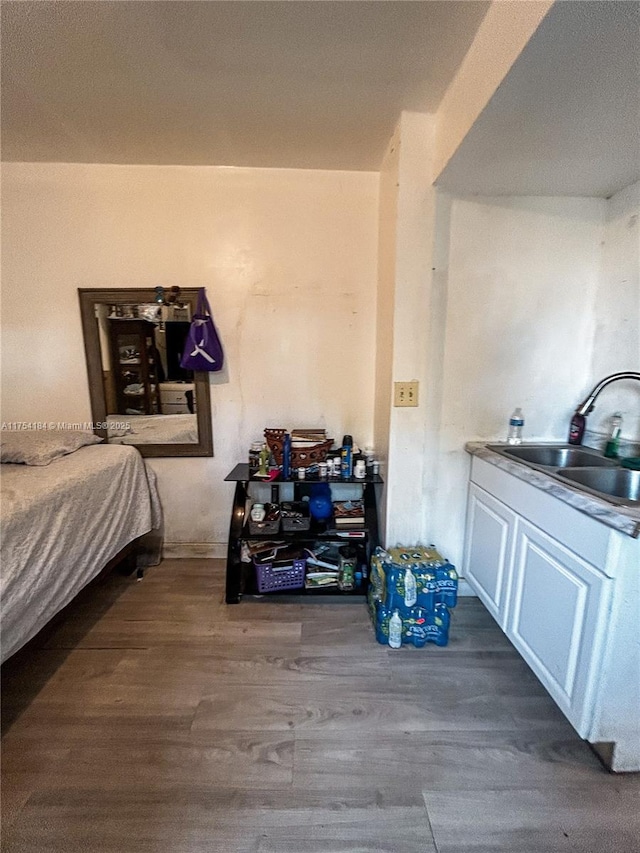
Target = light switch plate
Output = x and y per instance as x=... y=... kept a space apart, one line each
x=405 y=393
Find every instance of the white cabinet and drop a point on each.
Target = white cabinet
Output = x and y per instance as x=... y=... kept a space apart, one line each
x=489 y=541
x=557 y=618
x=566 y=591
x=551 y=603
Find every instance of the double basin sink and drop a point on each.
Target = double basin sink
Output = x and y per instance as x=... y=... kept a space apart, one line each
x=580 y=467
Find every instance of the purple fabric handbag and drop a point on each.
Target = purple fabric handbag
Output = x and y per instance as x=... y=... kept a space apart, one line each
x=202 y=347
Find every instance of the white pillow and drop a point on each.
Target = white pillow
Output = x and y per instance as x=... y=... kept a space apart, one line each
x=40 y=447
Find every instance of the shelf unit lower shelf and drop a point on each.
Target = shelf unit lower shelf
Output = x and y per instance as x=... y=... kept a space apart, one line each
x=316 y=533
x=241 y=576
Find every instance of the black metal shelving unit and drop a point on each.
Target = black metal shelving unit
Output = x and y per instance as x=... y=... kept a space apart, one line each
x=240 y=578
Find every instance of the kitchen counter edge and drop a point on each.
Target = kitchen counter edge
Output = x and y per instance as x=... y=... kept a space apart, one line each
x=624 y=519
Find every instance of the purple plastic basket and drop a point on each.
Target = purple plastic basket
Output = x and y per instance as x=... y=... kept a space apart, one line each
x=272 y=580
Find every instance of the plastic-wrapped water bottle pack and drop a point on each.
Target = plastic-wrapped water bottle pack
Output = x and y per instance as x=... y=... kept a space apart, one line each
x=410 y=595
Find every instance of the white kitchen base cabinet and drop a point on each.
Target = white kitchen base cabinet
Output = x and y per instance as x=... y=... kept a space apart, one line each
x=490 y=526
x=564 y=588
x=557 y=600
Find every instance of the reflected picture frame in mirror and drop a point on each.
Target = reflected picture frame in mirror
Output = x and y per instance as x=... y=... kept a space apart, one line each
x=93 y=302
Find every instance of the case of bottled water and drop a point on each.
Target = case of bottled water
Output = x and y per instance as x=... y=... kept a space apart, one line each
x=421 y=586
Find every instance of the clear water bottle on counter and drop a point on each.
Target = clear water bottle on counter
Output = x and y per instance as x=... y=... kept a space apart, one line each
x=516 y=423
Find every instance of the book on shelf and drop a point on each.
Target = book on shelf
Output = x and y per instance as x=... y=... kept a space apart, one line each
x=325 y=556
x=276 y=553
x=317 y=580
x=349 y=512
x=307 y=437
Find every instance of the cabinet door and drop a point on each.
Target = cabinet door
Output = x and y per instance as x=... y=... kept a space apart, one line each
x=489 y=545
x=557 y=619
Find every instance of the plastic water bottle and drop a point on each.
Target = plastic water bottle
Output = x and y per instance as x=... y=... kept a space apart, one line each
x=516 y=422
x=613 y=445
x=395 y=630
x=410 y=589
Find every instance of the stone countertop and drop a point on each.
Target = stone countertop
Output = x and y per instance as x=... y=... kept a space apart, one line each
x=624 y=519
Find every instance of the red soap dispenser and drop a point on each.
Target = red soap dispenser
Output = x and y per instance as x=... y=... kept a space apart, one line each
x=576 y=430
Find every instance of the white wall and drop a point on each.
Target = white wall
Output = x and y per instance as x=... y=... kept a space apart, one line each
x=616 y=341
x=412 y=321
x=520 y=315
x=491 y=303
x=407 y=215
x=529 y=302
x=289 y=261
x=386 y=290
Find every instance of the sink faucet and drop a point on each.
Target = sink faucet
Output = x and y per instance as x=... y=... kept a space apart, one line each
x=578 y=421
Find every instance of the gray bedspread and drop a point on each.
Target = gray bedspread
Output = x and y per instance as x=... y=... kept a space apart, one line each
x=61 y=525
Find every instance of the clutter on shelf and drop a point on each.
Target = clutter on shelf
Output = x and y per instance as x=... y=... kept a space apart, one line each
x=268 y=523
x=281 y=565
x=318 y=532
x=348 y=513
x=295 y=515
x=308 y=447
x=308 y=454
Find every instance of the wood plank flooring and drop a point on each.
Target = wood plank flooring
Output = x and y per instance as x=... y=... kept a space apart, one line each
x=157 y=719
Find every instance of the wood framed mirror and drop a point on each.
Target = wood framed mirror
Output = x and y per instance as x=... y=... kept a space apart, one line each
x=139 y=393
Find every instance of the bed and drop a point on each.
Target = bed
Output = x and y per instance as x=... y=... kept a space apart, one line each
x=153 y=429
x=62 y=523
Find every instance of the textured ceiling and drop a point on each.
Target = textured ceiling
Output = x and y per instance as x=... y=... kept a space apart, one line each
x=277 y=84
x=566 y=120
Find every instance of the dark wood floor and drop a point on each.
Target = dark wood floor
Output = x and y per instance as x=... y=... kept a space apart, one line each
x=156 y=719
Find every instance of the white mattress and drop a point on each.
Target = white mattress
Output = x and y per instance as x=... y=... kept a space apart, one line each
x=61 y=524
x=154 y=429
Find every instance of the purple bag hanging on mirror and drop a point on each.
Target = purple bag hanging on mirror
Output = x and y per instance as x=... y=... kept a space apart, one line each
x=202 y=347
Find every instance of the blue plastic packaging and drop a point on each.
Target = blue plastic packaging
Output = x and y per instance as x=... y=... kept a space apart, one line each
x=419 y=625
x=424 y=610
x=286 y=456
x=395 y=594
x=447 y=585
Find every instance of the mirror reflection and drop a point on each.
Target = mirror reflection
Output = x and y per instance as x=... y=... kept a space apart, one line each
x=145 y=397
x=141 y=347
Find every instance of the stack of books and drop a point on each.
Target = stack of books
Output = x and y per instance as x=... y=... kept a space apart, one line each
x=323 y=564
x=307 y=438
x=348 y=513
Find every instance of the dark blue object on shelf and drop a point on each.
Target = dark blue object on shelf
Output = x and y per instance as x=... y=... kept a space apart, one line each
x=320 y=505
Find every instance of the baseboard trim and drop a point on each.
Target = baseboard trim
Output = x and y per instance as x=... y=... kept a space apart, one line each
x=194 y=550
x=605 y=751
x=464 y=589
